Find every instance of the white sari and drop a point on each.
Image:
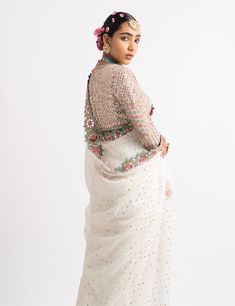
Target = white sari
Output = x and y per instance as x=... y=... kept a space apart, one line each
x=128 y=228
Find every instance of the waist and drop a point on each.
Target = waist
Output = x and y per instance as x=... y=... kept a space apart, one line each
x=125 y=152
x=114 y=132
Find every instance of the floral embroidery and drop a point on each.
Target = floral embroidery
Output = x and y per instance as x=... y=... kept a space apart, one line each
x=90 y=122
x=138 y=159
x=94 y=138
x=97 y=149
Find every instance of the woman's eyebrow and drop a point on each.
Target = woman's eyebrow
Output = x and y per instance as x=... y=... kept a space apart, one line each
x=127 y=33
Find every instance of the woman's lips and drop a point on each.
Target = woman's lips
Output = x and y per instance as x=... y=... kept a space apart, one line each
x=129 y=56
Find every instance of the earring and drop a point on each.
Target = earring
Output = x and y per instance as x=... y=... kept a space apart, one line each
x=106 y=48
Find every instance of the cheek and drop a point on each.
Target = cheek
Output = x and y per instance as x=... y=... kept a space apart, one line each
x=121 y=44
x=119 y=47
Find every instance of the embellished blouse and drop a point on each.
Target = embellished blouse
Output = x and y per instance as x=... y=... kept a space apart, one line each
x=115 y=104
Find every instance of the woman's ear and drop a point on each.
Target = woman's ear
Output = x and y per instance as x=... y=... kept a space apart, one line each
x=106 y=38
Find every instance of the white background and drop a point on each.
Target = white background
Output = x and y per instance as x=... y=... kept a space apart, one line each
x=186 y=64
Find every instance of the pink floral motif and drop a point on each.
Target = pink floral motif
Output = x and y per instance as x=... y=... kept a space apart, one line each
x=113 y=19
x=89 y=123
x=106 y=29
x=109 y=136
x=136 y=160
x=96 y=149
x=99 y=43
x=128 y=166
x=142 y=158
x=121 y=15
x=98 y=31
x=118 y=133
x=93 y=137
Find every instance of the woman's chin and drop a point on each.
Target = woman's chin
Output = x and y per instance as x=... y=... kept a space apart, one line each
x=126 y=61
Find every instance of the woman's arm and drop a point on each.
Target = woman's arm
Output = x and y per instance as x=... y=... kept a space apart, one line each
x=128 y=92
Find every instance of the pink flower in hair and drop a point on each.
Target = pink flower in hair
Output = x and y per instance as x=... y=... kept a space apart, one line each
x=98 y=31
x=99 y=43
x=113 y=19
x=106 y=29
x=121 y=15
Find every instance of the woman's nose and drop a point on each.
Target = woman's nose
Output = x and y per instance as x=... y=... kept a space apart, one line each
x=131 y=47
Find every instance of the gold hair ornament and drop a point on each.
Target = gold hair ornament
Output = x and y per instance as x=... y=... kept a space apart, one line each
x=134 y=24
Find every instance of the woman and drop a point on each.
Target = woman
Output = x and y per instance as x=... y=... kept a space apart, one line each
x=128 y=220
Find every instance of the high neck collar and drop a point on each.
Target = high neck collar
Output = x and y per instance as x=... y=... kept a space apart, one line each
x=108 y=59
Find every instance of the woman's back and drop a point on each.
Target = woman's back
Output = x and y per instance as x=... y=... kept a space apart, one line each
x=116 y=105
x=105 y=82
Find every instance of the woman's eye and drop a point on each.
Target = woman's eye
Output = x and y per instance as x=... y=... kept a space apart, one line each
x=138 y=40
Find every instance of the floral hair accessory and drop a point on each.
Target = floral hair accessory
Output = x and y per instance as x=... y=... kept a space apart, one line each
x=99 y=43
x=98 y=31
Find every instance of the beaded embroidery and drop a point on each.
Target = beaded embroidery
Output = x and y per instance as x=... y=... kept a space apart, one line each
x=133 y=101
x=93 y=137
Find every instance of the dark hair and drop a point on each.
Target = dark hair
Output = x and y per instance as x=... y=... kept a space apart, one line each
x=111 y=25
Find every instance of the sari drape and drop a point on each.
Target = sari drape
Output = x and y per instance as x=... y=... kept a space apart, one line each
x=128 y=229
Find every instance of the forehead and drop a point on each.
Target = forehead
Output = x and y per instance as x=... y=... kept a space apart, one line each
x=125 y=27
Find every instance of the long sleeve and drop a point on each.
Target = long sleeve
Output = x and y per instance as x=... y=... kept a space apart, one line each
x=130 y=96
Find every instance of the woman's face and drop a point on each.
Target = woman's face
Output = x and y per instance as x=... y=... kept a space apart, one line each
x=124 y=41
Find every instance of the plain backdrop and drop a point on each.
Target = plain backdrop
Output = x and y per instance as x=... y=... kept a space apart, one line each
x=186 y=64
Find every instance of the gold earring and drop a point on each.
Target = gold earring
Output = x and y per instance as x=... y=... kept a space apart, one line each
x=106 y=48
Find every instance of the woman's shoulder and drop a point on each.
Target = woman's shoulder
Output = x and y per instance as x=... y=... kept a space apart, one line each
x=121 y=68
x=121 y=71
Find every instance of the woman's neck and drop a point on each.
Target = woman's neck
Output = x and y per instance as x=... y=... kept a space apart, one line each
x=109 y=59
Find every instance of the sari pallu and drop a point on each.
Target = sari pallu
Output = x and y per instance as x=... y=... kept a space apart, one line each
x=128 y=227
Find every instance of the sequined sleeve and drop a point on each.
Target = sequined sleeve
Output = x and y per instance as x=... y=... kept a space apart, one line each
x=129 y=94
